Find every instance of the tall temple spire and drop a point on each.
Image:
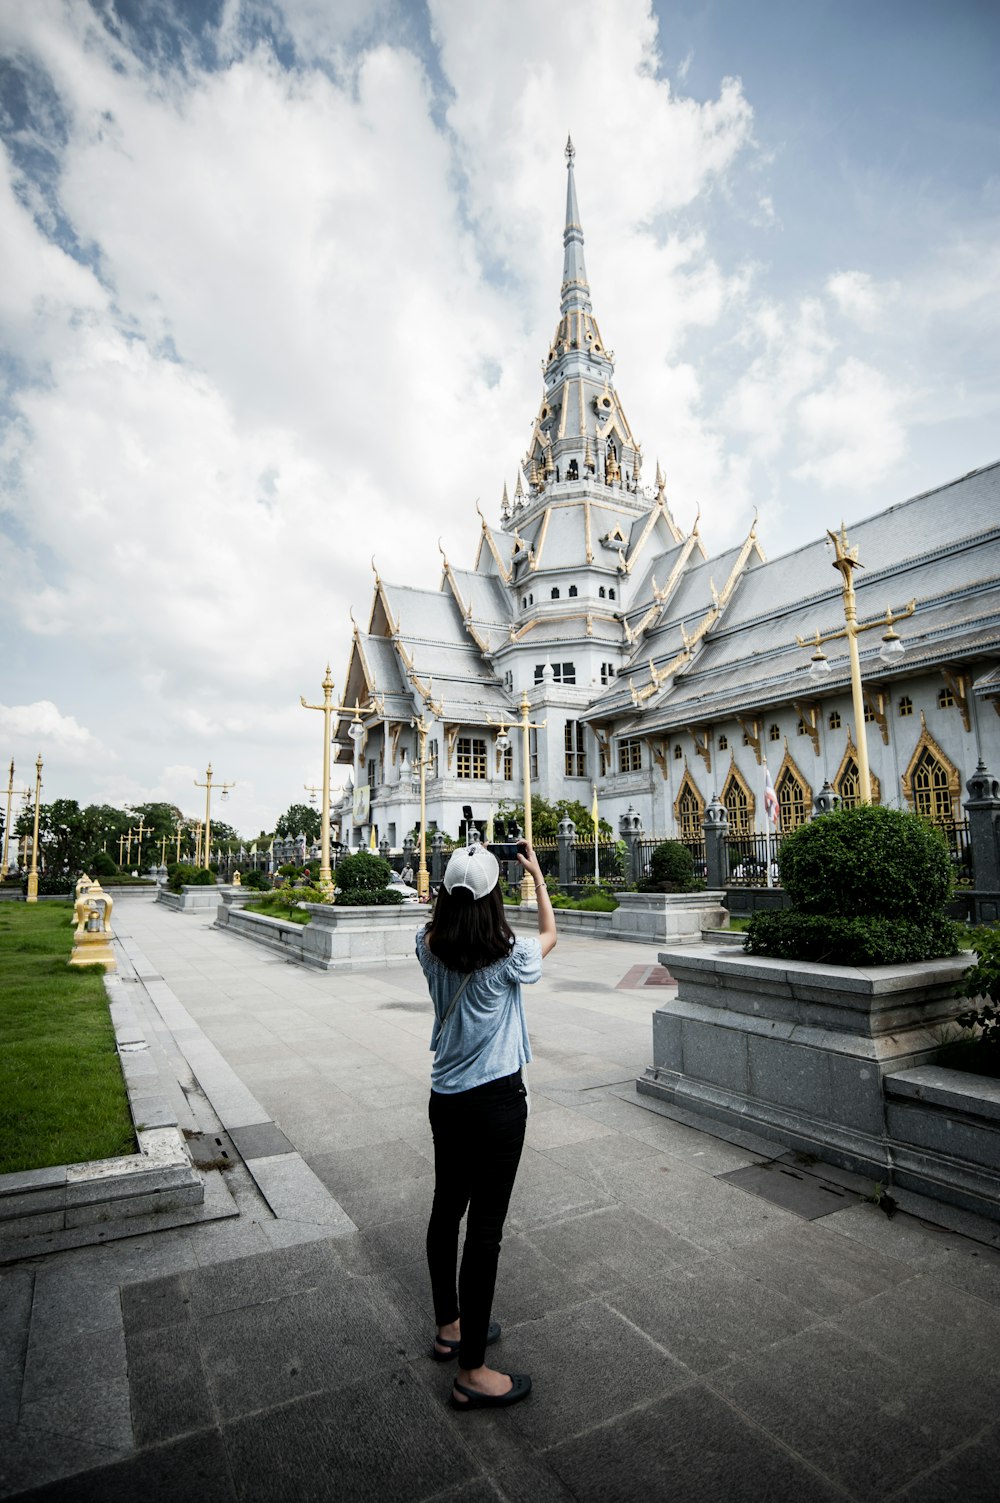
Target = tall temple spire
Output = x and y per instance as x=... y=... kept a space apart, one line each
x=581 y=436
x=575 y=290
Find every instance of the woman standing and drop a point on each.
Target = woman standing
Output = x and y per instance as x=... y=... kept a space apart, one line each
x=475 y=969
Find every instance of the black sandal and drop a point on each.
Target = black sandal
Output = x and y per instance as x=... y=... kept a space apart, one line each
x=492 y=1336
x=519 y=1389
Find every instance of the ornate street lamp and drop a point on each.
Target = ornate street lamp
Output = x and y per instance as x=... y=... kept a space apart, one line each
x=207 y=785
x=11 y=790
x=418 y=776
x=846 y=561
x=33 y=874
x=356 y=732
x=503 y=744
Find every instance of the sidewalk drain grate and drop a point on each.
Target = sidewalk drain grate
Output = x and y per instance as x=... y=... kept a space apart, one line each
x=806 y=1195
x=211 y=1150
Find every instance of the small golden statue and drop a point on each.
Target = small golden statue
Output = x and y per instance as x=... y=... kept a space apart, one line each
x=93 y=932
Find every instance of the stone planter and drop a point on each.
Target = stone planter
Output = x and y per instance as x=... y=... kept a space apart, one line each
x=671 y=918
x=191 y=899
x=334 y=938
x=595 y=925
x=823 y=1059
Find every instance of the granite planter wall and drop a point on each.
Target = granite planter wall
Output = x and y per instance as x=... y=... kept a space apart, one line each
x=335 y=937
x=671 y=918
x=823 y=1059
x=191 y=899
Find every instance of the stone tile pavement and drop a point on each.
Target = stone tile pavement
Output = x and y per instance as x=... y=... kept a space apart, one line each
x=688 y=1339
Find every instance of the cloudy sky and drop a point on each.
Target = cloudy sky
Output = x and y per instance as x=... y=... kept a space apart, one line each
x=276 y=277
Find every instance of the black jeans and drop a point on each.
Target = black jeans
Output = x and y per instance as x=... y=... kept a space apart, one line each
x=478 y=1137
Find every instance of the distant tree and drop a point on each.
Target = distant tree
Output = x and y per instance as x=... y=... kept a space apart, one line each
x=158 y=819
x=545 y=818
x=299 y=819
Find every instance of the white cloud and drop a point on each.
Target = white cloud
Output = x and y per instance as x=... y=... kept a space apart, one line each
x=43 y=725
x=860 y=298
x=852 y=429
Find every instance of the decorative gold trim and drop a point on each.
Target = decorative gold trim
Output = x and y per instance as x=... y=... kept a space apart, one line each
x=958 y=683
x=535 y=558
x=450 y=737
x=851 y=755
x=586 y=530
x=790 y=767
x=702 y=738
x=753 y=736
x=658 y=750
x=926 y=742
x=735 y=776
x=875 y=700
x=809 y=716
x=688 y=784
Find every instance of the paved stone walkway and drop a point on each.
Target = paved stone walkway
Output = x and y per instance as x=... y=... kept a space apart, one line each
x=688 y=1339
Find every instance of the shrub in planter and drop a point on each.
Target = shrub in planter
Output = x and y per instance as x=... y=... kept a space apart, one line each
x=867 y=886
x=671 y=869
x=51 y=883
x=361 y=880
x=101 y=865
x=189 y=876
x=257 y=881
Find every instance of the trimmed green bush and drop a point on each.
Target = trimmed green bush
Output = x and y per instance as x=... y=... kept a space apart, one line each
x=867 y=861
x=257 y=881
x=189 y=876
x=366 y=897
x=671 y=869
x=101 y=865
x=836 y=940
x=867 y=885
x=362 y=872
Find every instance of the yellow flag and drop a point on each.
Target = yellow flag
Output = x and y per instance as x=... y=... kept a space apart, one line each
x=372 y=842
x=593 y=811
x=489 y=826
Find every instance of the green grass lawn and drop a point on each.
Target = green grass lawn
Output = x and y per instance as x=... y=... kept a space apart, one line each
x=271 y=908
x=62 y=1096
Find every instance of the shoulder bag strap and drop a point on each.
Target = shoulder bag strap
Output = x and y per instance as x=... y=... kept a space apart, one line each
x=457 y=997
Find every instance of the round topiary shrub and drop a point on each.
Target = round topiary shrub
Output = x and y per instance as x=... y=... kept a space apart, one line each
x=671 y=869
x=101 y=865
x=362 y=880
x=867 y=887
x=257 y=880
x=867 y=862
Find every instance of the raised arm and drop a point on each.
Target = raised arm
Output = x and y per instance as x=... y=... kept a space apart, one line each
x=546 y=918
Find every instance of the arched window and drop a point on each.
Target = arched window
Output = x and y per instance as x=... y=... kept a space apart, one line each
x=524 y=603
x=847 y=781
x=834 y=721
x=611 y=594
x=531 y=599
x=689 y=810
x=602 y=592
x=794 y=797
x=572 y=591
x=678 y=752
x=573 y=471
x=740 y=804
x=774 y=733
x=931 y=787
x=555 y=593
x=905 y=706
x=723 y=743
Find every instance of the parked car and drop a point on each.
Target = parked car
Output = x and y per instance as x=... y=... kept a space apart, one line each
x=397 y=884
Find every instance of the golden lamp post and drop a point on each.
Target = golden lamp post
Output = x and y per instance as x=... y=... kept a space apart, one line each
x=138 y=859
x=845 y=562
x=11 y=790
x=356 y=731
x=121 y=850
x=224 y=790
x=33 y=874
x=503 y=745
x=418 y=775
x=180 y=831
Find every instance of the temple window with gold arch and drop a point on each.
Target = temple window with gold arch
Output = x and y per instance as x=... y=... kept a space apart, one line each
x=793 y=800
x=736 y=797
x=931 y=787
x=689 y=811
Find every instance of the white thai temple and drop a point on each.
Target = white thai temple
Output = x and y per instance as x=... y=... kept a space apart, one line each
x=663 y=675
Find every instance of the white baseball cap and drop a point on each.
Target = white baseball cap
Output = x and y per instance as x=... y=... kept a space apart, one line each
x=474 y=868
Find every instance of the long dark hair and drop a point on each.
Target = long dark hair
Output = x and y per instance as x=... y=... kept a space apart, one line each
x=466 y=933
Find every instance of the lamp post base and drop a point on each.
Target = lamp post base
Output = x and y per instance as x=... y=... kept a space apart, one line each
x=32 y=896
x=528 y=894
x=423 y=884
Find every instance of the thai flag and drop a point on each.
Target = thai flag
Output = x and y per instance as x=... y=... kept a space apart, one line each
x=771 y=808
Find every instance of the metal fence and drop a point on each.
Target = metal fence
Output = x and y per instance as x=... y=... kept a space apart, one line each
x=611 y=864
x=749 y=858
x=956 y=836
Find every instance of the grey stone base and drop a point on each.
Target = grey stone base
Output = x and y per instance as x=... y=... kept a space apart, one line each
x=334 y=938
x=833 y=1061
